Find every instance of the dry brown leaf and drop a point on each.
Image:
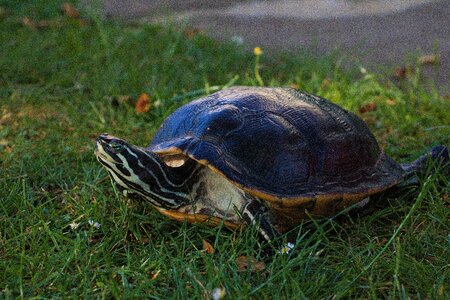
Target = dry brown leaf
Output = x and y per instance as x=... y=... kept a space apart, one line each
x=124 y=99
x=245 y=263
x=400 y=72
x=94 y=239
x=441 y=290
x=120 y=100
x=294 y=86
x=445 y=199
x=404 y=72
x=192 y=31
x=208 y=247
x=157 y=103
x=155 y=275
x=391 y=102
x=5 y=145
x=381 y=241
x=325 y=83
x=70 y=11
x=6 y=117
x=368 y=107
x=431 y=59
x=3 y=13
x=27 y=22
x=143 y=103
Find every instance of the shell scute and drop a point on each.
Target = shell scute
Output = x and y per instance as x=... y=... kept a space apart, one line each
x=280 y=144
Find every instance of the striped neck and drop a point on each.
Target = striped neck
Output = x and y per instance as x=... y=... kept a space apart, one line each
x=137 y=170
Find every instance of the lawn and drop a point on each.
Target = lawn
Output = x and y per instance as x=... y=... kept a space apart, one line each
x=66 y=232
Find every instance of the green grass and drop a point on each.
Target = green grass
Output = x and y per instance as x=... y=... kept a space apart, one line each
x=60 y=87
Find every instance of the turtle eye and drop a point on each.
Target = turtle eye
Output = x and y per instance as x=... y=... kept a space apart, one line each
x=116 y=147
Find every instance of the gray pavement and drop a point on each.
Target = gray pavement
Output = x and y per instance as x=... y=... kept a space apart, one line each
x=377 y=34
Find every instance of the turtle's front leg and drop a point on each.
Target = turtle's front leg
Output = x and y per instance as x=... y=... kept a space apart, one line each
x=255 y=214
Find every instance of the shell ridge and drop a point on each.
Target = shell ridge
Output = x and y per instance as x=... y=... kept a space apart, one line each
x=277 y=168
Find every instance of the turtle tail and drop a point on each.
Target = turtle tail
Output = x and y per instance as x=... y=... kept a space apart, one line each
x=437 y=157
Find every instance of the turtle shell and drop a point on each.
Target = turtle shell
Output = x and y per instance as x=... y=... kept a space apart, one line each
x=281 y=145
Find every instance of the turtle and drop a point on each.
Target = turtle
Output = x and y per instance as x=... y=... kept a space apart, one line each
x=259 y=156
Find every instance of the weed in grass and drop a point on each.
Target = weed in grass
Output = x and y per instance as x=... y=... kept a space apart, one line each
x=57 y=87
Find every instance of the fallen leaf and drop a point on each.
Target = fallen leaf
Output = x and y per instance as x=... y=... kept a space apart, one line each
x=325 y=83
x=119 y=100
x=6 y=117
x=27 y=22
x=5 y=145
x=431 y=59
x=391 y=102
x=208 y=247
x=404 y=72
x=294 y=86
x=124 y=99
x=192 y=31
x=70 y=11
x=3 y=13
x=157 y=103
x=441 y=290
x=143 y=103
x=445 y=198
x=155 y=275
x=245 y=263
x=94 y=239
x=371 y=106
x=381 y=241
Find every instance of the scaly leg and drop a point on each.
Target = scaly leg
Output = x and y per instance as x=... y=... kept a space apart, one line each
x=254 y=213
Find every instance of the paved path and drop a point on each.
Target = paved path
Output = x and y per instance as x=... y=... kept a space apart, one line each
x=376 y=34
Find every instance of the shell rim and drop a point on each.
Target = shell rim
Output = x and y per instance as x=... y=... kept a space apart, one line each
x=281 y=202
x=198 y=218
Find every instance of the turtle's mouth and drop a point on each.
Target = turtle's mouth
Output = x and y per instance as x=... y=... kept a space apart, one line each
x=102 y=155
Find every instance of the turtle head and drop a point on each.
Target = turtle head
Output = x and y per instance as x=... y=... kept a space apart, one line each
x=136 y=170
x=111 y=150
x=120 y=159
